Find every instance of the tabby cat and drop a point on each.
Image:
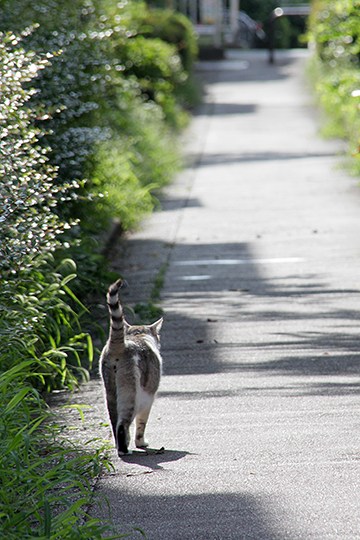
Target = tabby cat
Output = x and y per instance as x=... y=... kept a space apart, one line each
x=130 y=366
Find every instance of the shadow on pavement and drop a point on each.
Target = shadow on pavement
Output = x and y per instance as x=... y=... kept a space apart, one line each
x=154 y=460
x=193 y=517
x=248 y=67
x=229 y=292
x=220 y=159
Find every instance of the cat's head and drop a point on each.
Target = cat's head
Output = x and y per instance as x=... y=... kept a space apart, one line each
x=145 y=329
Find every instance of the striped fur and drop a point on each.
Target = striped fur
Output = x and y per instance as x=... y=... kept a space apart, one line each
x=116 y=334
x=130 y=366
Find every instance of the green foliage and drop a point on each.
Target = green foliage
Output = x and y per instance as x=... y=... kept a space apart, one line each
x=127 y=170
x=157 y=67
x=173 y=28
x=28 y=190
x=148 y=312
x=44 y=484
x=63 y=99
x=103 y=110
x=115 y=171
x=88 y=113
x=44 y=480
x=40 y=324
x=335 y=27
x=335 y=30
x=102 y=66
x=35 y=320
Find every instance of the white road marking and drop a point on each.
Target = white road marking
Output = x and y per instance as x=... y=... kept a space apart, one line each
x=228 y=262
x=195 y=278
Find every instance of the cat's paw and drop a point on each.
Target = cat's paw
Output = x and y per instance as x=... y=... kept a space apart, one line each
x=122 y=454
x=141 y=443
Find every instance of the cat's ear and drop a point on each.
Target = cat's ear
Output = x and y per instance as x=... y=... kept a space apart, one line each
x=156 y=326
x=126 y=325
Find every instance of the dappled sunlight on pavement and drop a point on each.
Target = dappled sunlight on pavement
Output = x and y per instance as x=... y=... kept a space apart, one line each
x=258 y=406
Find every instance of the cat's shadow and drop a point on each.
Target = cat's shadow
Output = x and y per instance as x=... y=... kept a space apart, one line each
x=153 y=459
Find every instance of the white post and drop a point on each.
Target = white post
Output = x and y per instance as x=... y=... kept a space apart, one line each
x=192 y=9
x=234 y=12
x=218 y=22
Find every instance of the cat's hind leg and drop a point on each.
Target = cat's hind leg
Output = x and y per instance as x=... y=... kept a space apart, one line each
x=144 y=404
x=110 y=390
x=125 y=417
x=122 y=439
x=141 y=421
x=126 y=400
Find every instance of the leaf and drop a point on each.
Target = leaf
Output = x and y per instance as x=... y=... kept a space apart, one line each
x=90 y=349
x=21 y=394
x=8 y=376
x=75 y=298
x=47 y=519
x=79 y=408
x=67 y=279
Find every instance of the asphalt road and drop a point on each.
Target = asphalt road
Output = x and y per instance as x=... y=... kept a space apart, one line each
x=259 y=404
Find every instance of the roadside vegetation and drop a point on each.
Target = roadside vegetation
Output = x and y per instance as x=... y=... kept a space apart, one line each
x=93 y=95
x=335 y=32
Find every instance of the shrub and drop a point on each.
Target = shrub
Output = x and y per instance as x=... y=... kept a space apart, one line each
x=86 y=137
x=65 y=91
x=176 y=29
x=173 y=28
x=157 y=67
x=28 y=190
x=335 y=30
x=35 y=320
x=105 y=68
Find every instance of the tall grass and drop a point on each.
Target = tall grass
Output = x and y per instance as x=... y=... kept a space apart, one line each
x=44 y=481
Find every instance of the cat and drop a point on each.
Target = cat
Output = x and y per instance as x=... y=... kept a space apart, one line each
x=130 y=367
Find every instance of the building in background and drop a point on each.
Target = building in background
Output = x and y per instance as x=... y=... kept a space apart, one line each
x=216 y=21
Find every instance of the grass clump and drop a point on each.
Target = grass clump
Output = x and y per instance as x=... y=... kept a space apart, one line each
x=150 y=310
x=45 y=481
x=335 y=31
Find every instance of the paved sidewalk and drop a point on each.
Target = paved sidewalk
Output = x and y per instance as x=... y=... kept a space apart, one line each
x=259 y=404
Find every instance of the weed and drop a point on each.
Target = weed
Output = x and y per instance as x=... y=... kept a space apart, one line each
x=147 y=312
x=150 y=311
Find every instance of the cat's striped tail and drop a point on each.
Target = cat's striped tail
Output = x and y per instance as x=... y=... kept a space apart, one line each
x=116 y=334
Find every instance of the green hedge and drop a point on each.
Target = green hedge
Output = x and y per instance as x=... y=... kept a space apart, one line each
x=89 y=113
x=335 y=31
x=86 y=135
x=173 y=28
x=41 y=341
x=107 y=64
